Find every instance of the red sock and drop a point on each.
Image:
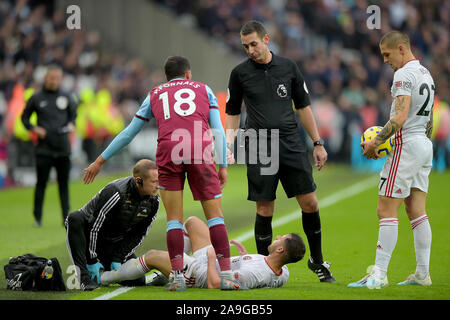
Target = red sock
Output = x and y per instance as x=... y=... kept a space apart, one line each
x=175 y=246
x=219 y=240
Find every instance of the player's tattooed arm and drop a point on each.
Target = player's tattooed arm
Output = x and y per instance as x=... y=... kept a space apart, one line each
x=390 y=128
x=429 y=128
x=395 y=123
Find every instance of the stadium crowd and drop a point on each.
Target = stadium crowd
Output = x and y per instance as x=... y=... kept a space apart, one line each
x=329 y=39
x=34 y=34
x=338 y=54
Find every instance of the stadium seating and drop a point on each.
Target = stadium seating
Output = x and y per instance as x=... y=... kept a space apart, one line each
x=330 y=41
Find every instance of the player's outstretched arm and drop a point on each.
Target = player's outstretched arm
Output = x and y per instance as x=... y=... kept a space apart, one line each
x=239 y=246
x=219 y=136
x=119 y=142
x=94 y=168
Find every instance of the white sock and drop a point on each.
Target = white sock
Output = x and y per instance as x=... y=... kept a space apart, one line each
x=387 y=239
x=422 y=245
x=130 y=270
x=228 y=274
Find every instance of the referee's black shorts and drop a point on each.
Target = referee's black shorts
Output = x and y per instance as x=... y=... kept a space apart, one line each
x=294 y=171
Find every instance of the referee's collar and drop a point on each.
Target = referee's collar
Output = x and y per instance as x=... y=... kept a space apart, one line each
x=275 y=61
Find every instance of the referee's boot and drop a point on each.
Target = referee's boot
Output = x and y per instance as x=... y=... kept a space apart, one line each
x=322 y=270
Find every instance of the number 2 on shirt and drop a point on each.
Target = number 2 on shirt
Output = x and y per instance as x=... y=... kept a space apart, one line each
x=425 y=87
x=179 y=101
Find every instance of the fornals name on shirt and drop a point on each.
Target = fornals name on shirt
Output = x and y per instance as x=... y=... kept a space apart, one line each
x=175 y=83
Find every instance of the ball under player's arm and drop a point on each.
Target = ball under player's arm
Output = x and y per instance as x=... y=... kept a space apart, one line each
x=402 y=105
x=402 y=91
x=120 y=141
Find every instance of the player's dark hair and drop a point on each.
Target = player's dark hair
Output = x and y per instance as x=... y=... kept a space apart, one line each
x=253 y=26
x=295 y=248
x=52 y=67
x=142 y=167
x=176 y=66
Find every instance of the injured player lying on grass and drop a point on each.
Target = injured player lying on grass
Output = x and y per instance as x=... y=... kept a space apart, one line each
x=201 y=269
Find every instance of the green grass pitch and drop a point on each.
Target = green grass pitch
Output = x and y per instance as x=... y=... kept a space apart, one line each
x=349 y=230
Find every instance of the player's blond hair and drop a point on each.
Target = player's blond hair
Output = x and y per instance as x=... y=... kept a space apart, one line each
x=142 y=167
x=394 y=38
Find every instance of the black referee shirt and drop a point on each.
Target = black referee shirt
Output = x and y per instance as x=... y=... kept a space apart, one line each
x=268 y=91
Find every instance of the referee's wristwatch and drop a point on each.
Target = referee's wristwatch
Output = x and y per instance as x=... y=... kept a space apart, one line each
x=318 y=143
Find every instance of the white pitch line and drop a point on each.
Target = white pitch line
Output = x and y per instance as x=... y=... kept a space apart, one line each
x=114 y=293
x=326 y=202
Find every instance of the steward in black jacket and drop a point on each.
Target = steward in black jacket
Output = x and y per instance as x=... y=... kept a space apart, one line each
x=55 y=110
x=56 y=113
x=113 y=224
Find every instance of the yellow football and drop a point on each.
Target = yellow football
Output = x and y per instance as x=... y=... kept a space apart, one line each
x=384 y=148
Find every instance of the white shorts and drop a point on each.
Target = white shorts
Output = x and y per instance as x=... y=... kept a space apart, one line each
x=407 y=166
x=196 y=267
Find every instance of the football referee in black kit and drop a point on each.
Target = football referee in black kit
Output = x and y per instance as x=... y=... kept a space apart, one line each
x=56 y=113
x=269 y=84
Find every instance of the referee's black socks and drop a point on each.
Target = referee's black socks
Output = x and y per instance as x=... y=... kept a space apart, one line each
x=263 y=233
x=311 y=226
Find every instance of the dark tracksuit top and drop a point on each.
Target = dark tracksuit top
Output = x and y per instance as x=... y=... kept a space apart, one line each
x=117 y=220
